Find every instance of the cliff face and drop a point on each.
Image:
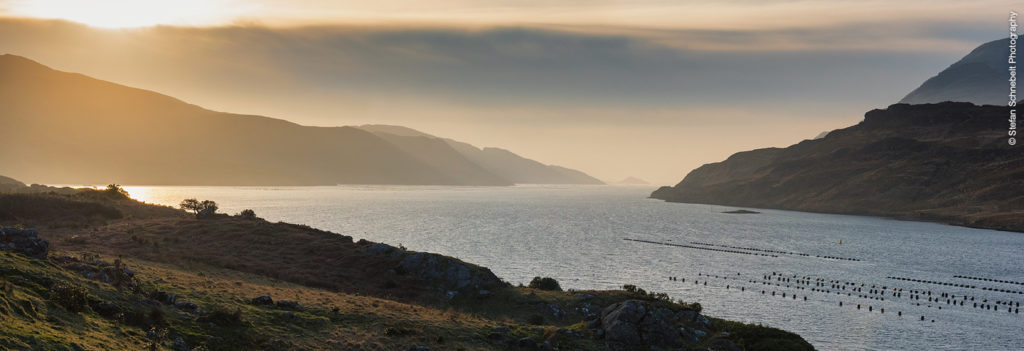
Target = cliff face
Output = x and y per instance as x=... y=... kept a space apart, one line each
x=946 y=162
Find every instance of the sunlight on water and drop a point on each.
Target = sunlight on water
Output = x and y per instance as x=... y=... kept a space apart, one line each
x=576 y=234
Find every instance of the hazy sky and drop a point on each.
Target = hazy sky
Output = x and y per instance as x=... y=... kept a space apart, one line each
x=614 y=88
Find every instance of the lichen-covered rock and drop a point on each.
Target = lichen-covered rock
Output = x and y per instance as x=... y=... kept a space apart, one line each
x=658 y=328
x=262 y=300
x=552 y=309
x=635 y=323
x=23 y=241
x=619 y=322
x=291 y=305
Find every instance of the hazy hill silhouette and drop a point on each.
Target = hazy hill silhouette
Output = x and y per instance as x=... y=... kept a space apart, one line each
x=70 y=128
x=947 y=162
x=980 y=78
x=500 y=162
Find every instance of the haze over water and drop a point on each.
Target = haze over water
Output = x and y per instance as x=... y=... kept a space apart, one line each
x=576 y=235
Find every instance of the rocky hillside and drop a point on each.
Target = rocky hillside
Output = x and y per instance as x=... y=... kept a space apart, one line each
x=980 y=78
x=116 y=274
x=946 y=162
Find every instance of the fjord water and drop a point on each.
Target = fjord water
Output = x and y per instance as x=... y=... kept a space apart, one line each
x=576 y=235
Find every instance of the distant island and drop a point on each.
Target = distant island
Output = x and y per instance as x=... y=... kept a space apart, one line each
x=94 y=269
x=81 y=130
x=632 y=181
x=741 y=212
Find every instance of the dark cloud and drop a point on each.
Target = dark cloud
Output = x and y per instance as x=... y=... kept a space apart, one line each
x=493 y=67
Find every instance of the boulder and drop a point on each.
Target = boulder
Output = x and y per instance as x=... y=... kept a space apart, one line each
x=186 y=306
x=691 y=335
x=262 y=300
x=553 y=309
x=164 y=297
x=619 y=322
x=23 y=241
x=634 y=323
x=658 y=329
x=106 y=309
x=291 y=305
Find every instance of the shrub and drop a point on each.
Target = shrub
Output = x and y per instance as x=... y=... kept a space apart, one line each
x=248 y=214
x=535 y=319
x=546 y=283
x=116 y=192
x=73 y=297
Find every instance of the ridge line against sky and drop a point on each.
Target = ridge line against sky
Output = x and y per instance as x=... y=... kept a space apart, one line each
x=652 y=90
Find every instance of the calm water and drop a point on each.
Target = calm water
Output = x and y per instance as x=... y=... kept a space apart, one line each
x=576 y=234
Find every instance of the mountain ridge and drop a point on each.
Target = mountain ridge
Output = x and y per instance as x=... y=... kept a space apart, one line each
x=84 y=130
x=501 y=162
x=980 y=77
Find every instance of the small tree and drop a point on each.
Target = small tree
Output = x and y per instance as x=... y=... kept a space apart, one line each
x=190 y=205
x=198 y=207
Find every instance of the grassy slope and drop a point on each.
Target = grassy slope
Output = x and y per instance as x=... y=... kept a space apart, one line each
x=349 y=300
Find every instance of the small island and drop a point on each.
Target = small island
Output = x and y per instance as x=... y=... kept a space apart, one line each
x=741 y=212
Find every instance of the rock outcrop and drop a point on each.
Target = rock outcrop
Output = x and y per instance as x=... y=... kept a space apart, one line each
x=636 y=323
x=23 y=241
x=449 y=273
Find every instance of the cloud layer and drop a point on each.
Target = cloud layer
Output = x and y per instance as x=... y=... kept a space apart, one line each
x=576 y=84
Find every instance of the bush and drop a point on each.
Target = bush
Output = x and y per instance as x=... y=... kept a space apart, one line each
x=73 y=297
x=535 y=319
x=546 y=283
x=248 y=214
x=116 y=192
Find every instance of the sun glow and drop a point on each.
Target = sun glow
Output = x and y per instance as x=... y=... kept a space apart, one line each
x=131 y=13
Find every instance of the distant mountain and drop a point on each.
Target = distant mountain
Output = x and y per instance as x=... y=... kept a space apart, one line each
x=438 y=154
x=980 y=78
x=70 y=128
x=500 y=162
x=632 y=181
x=945 y=162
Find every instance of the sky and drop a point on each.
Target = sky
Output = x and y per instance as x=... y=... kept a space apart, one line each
x=647 y=88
